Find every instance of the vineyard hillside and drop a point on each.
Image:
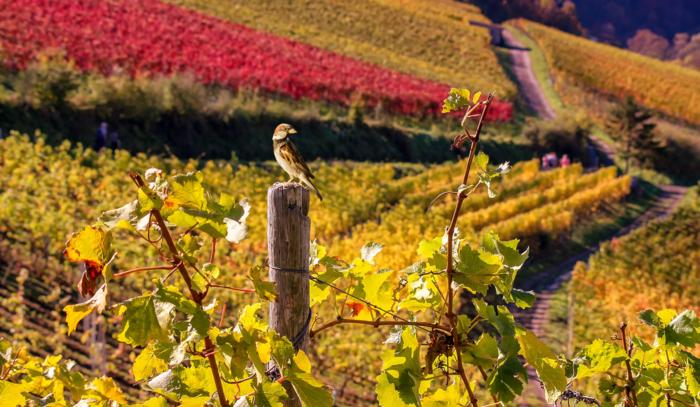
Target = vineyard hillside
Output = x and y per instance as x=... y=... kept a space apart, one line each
x=666 y=276
x=364 y=202
x=582 y=66
x=419 y=37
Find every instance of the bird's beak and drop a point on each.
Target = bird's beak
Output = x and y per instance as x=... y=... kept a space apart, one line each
x=292 y=131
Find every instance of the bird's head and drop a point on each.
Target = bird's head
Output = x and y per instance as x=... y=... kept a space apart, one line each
x=282 y=131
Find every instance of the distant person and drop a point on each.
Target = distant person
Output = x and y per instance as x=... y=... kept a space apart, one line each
x=114 y=141
x=565 y=161
x=101 y=136
x=553 y=160
x=593 y=159
x=545 y=162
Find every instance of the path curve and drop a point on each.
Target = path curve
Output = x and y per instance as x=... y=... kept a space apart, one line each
x=533 y=94
x=547 y=283
x=528 y=84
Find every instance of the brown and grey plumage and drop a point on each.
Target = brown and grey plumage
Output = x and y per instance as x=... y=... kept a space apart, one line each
x=289 y=158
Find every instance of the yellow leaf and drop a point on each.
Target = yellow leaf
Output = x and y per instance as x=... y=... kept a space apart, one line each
x=302 y=361
x=11 y=394
x=147 y=364
x=91 y=244
x=476 y=97
x=264 y=351
x=194 y=401
x=105 y=388
x=76 y=312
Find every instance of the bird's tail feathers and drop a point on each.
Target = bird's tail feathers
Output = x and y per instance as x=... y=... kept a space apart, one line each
x=311 y=185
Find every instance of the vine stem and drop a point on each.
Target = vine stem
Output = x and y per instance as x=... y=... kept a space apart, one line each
x=450 y=315
x=139 y=269
x=378 y=323
x=630 y=393
x=197 y=298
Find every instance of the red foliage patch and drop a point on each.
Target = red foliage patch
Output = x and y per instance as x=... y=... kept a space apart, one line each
x=356 y=307
x=149 y=37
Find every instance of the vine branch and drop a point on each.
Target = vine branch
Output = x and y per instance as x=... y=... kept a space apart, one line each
x=140 y=269
x=450 y=315
x=194 y=295
x=630 y=393
x=379 y=323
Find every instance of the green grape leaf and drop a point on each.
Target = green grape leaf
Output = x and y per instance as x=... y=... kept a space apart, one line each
x=672 y=328
x=482 y=161
x=507 y=380
x=296 y=368
x=654 y=319
x=189 y=246
x=423 y=293
x=502 y=320
x=429 y=251
x=692 y=374
x=483 y=353
x=76 y=312
x=249 y=319
x=684 y=329
x=548 y=369
x=235 y=354
x=318 y=292
x=458 y=99
x=476 y=270
x=208 y=274
x=140 y=321
x=198 y=380
x=187 y=191
x=601 y=357
x=147 y=364
x=311 y=392
x=488 y=174
x=399 y=382
x=148 y=200
x=166 y=296
x=11 y=393
x=523 y=299
x=451 y=396
x=463 y=325
x=265 y=290
x=508 y=249
x=125 y=217
x=268 y=394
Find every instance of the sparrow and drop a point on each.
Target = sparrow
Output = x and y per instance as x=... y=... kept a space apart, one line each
x=289 y=158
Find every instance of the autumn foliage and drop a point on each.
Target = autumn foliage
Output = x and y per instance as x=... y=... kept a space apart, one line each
x=149 y=37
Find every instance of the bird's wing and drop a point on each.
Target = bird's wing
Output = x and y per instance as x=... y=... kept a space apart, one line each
x=297 y=159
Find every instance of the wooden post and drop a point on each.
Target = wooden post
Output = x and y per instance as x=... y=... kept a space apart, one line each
x=288 y=234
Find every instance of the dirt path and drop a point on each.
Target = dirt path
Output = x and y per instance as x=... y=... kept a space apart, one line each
x=548 y=282
x=528 y=84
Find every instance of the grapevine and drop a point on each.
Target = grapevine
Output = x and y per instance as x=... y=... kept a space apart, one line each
x=435 y=355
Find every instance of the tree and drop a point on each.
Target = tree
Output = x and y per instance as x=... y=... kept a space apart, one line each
x=631 y=126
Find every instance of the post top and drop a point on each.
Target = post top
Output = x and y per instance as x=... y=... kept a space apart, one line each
x=289 y=194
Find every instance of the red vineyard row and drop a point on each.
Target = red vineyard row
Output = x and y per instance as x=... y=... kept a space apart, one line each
x=145 y=37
